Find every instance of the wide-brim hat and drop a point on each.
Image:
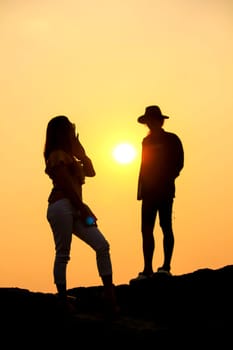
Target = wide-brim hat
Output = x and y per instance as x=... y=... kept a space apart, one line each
x=151 y=112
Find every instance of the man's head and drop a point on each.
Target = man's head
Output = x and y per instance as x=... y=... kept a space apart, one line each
x=152 y=113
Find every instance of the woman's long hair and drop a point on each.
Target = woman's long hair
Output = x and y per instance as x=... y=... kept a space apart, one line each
x=58 y=135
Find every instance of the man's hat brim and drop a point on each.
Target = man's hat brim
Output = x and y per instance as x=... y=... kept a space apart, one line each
x=143 y=119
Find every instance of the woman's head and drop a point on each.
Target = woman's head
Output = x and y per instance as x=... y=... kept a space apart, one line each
x=59 y=135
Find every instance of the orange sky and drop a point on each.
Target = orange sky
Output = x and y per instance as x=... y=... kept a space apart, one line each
x=101 y=63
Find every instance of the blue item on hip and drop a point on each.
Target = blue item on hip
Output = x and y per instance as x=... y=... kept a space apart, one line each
x=90 y=221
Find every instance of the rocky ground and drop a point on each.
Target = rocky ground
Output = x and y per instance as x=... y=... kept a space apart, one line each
x=193 y=310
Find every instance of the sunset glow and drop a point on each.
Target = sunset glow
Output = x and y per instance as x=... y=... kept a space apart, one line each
x=124 y=153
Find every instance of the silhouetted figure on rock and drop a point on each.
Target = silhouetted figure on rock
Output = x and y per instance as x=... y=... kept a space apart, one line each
x=161 y=162
x=67 y=164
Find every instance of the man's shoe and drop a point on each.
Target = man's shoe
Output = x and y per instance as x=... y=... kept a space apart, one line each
x=141 y=276
x=164 y=271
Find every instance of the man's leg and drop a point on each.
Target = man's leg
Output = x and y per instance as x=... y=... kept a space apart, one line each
x=148 y=215
x=165 y=216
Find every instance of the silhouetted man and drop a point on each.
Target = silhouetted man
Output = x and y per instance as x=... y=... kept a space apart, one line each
x=161 y=163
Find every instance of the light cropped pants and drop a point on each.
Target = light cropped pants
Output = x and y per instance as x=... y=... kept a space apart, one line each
x=64 y=222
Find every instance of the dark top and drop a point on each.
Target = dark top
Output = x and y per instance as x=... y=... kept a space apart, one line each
x=161 y=163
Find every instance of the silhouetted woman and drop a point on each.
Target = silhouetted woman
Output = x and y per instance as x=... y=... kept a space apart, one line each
x=67 y=165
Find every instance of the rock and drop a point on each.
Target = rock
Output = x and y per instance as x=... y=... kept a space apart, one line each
x=190 y=310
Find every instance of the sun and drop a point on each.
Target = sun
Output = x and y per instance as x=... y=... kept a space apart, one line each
x=124 y=153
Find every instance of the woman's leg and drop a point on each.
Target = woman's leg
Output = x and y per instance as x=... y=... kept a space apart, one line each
x=60 y=218
x=92 y=236
x=96 y=240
